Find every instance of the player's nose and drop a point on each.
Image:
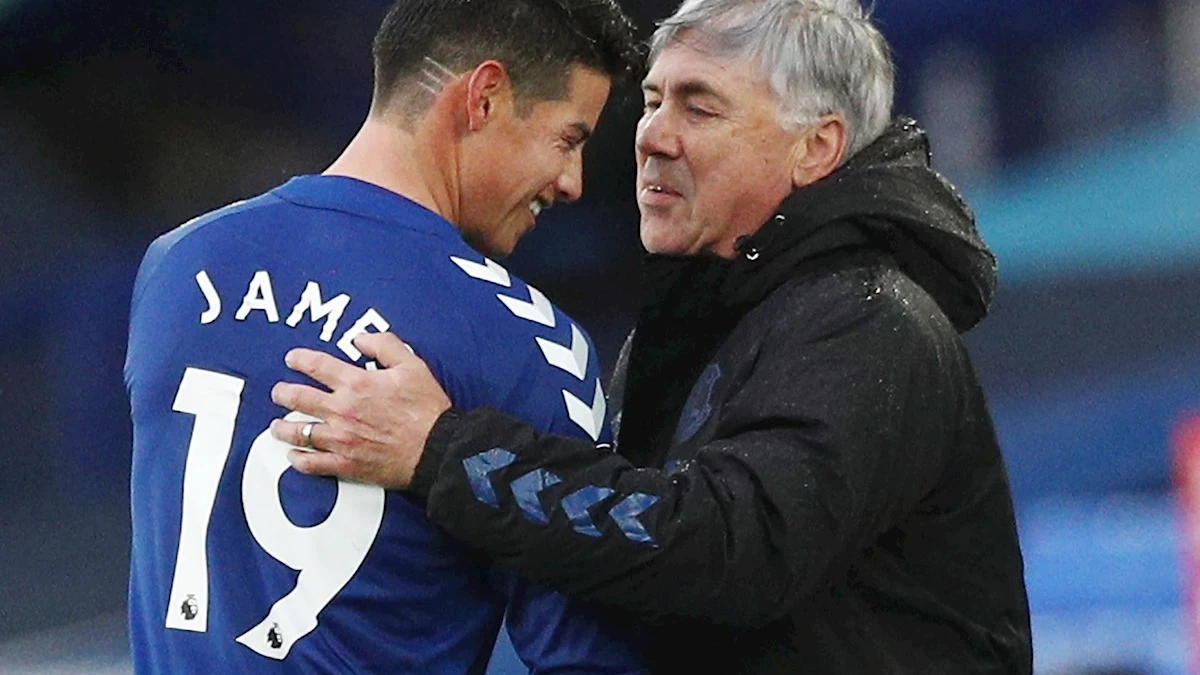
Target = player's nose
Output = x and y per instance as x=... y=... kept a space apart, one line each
x=569 y=186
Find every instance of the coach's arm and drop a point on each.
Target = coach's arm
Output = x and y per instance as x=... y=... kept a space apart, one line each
x=756 y=522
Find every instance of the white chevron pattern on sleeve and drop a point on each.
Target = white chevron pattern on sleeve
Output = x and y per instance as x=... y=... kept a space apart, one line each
x=490 y=271
x=574 y=360
x=538 y=310
x=590 y=418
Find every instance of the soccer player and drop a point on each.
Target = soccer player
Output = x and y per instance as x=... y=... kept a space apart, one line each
x=480 y=114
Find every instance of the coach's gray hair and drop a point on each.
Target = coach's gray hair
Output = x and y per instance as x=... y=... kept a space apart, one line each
x=820 y=56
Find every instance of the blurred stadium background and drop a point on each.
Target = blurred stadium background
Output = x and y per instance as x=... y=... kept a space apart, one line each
x=1073 y=127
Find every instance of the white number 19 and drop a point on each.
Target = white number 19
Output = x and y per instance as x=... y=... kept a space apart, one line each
x=327 y=555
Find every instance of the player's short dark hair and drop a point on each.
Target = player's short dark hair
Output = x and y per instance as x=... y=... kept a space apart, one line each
x=536 y=40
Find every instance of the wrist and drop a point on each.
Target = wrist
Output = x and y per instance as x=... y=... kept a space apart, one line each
x=437 y=446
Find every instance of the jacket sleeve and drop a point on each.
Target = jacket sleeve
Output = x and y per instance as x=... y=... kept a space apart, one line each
x=836 y=434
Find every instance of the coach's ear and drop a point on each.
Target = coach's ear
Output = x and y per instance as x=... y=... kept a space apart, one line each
x=489 y=91
x=819 y=150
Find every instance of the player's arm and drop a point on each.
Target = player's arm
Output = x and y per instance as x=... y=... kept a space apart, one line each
x=800 y=477
x=556 y=635
x=553 y=634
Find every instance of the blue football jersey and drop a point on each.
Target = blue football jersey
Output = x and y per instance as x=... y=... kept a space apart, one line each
x=241 y=564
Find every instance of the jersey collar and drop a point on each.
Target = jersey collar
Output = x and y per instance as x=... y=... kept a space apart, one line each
x=360 y=198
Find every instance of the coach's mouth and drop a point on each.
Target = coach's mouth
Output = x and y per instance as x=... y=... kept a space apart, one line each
x=658 y=195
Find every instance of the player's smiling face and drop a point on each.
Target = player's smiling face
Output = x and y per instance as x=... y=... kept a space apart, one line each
x=529 y=162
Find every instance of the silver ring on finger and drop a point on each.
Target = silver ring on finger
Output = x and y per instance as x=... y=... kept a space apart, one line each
x=306 y=435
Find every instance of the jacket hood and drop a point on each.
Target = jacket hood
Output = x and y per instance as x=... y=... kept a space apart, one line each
x=889 y=196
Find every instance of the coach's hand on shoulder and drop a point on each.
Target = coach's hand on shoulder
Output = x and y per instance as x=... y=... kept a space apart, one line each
x=374 y=422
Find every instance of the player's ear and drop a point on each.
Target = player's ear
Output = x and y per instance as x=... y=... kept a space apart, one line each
x=489 y=89
x=819 y=150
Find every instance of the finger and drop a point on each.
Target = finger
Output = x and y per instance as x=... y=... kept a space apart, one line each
x=303 y=398
x=291 y=433
x=322 y=464
x=386 y=348
x=324 y=368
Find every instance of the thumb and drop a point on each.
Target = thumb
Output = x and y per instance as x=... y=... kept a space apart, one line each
x=385 y=348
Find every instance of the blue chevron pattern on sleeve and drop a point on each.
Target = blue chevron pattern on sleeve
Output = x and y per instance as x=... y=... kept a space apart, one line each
x=526 y=490
x=480 y=466
x=577 y=504
x=625 y=514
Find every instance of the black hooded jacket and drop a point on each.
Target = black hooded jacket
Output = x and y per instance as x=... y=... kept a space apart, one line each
x=806 y=477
